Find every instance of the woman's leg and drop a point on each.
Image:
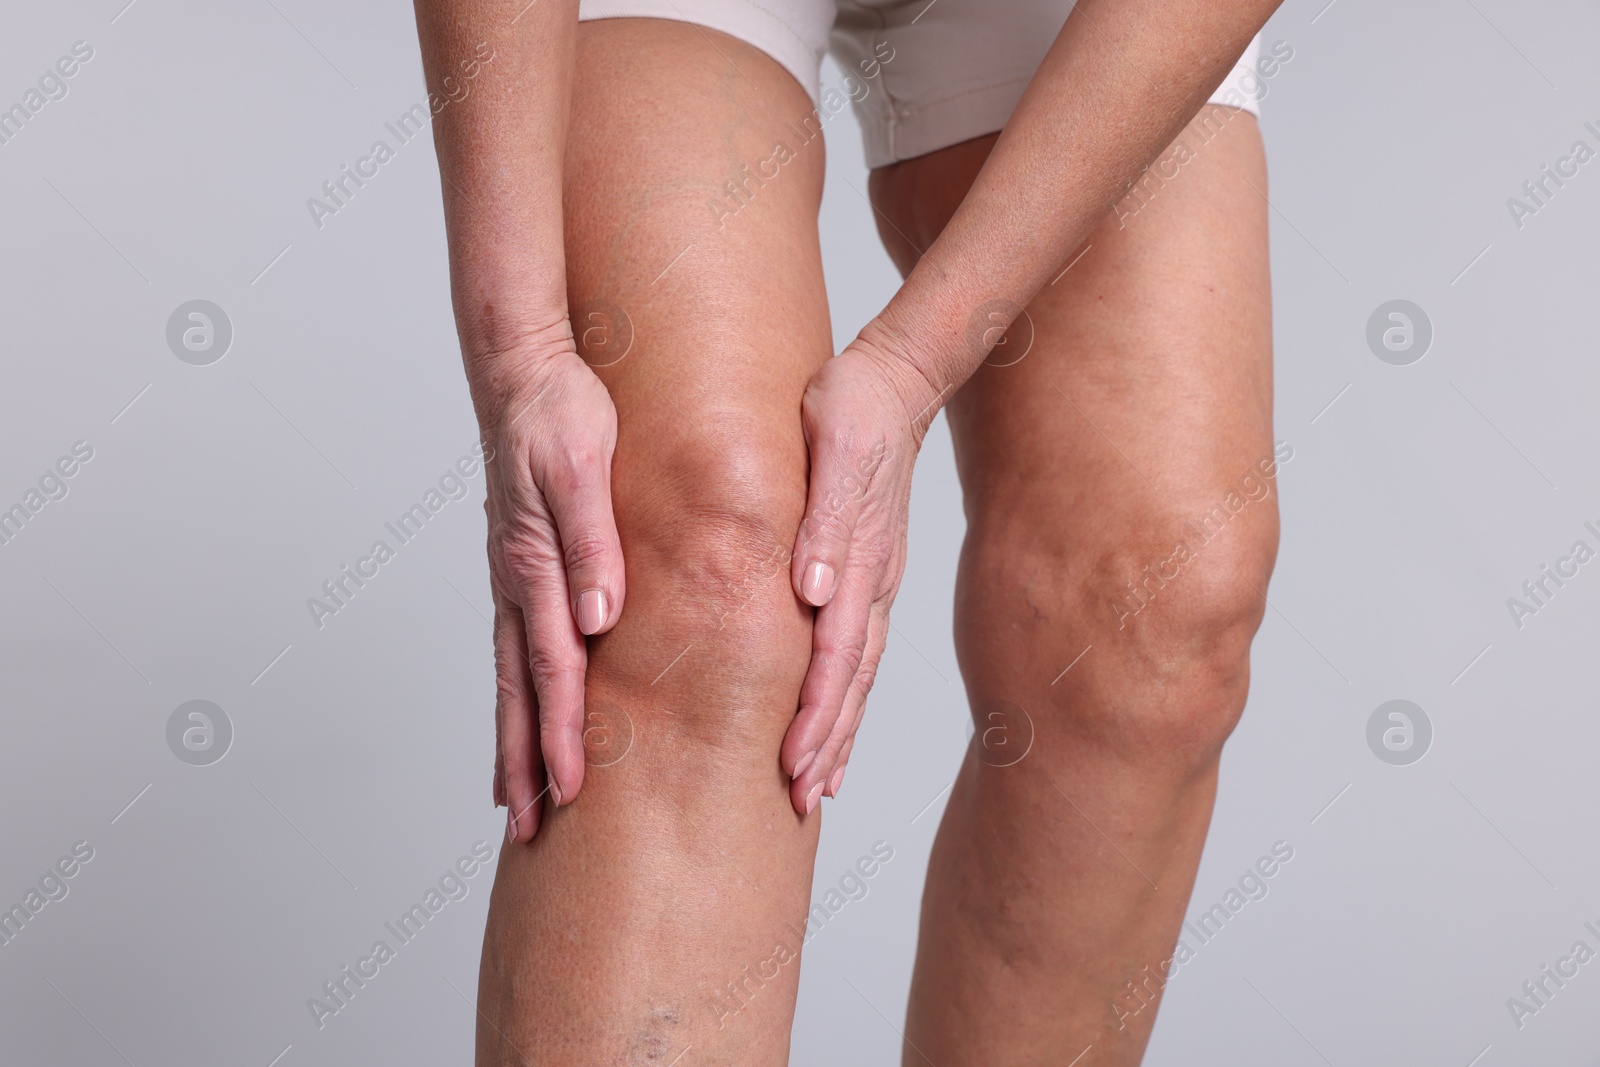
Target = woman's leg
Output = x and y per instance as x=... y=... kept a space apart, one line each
x=1140 y=420
x=662 y=911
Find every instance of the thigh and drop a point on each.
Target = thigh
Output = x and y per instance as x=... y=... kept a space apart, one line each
x=1131 y=401
x=629 y=929
x=694 y=272
x=1147 y=390
x=695 y=284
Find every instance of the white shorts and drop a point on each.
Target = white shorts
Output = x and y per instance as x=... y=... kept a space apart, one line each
x=922 y=75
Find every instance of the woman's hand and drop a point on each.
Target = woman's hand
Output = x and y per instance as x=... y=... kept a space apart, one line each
x=555 y=564
x=864 y=416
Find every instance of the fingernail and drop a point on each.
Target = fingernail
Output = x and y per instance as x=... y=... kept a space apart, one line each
x=802 y=763
x=511 y=826
x=836 y=781
x=817 y=587
x=555 y=792
x=591 y=610
x=811 y=798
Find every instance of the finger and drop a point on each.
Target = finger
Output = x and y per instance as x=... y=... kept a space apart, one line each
x=557 y=658
x=833 y=504
x=826 y=767
x=837 y=780
x=499 y=763
x=499 y=734
x=499 y=727
x=838 y=645
x=860 y=690
x=521 y=763
x=823 y=771
x=580 y=503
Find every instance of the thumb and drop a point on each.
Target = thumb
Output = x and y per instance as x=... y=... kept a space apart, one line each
x=590 y=549
x=840 y=474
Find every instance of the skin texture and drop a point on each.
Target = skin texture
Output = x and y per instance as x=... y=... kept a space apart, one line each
x=1132 y=400
x=640 y=919
x=1119 y=82
x=667 y=362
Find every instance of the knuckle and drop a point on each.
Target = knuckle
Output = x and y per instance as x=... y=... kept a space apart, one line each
x=584 y=456
x=528 y=557
x=507 y=682
x=866 y=676
x=877 y=558
x=850 y=652
x=549 y=671
x=586 y=549
x=574 y=468
x=825 y=523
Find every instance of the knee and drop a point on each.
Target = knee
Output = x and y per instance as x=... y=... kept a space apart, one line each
x=711 y=510
x=712 y=638
x=1191 y=608
x=1164 y=625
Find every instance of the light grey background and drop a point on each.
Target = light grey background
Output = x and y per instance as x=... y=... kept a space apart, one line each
x=179 y=563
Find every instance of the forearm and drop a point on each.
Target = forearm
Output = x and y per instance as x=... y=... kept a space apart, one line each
x=501 y=150
x=1119 y=83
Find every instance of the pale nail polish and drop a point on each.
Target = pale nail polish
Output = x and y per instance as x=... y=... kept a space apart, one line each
x=555 y=792
x=591 y=610
x=836 y=781
x=802 y=763
x=811 y=798
x=511 y=826
x=817 y=585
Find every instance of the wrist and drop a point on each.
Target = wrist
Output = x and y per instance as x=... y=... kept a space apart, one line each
x=913 y=377
x=507 y=365
x=955 y=316
x=494 y=327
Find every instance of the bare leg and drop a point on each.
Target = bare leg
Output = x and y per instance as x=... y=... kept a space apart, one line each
x=660 y=911
x=1144 y=402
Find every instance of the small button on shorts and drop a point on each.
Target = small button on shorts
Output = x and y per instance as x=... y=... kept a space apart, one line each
x=922 y=75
